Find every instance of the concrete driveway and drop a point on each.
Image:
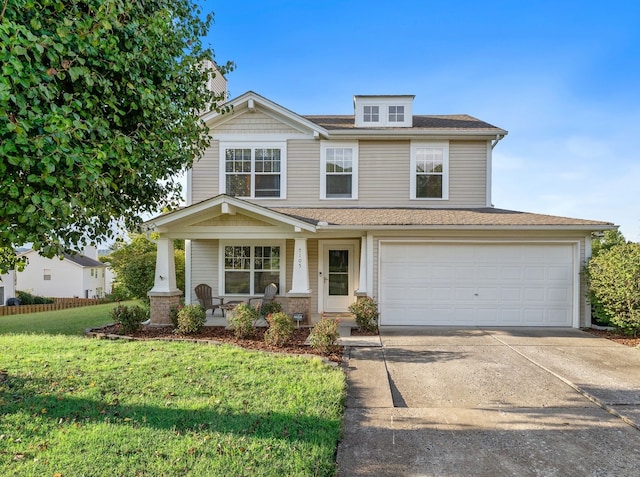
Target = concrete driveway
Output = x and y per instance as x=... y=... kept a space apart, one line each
x=491 y=402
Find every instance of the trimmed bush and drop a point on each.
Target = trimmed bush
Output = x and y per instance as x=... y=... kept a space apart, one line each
x=614 y=281
x=191 y=319
x=242 y=319
x=324 y=335
x=129 y=318
x=270 y=307
x=280 y=330
x=366 y=311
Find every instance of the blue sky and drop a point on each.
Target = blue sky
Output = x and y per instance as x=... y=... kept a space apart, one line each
x=563 y=77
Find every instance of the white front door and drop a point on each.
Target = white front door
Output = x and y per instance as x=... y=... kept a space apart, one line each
x=336 y=280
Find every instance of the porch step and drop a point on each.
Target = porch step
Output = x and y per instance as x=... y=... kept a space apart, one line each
x=346 y=322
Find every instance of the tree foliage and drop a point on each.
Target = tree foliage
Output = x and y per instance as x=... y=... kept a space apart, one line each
x=134 y=263
x=99 y=103
x=614 y=280
x=606 y=241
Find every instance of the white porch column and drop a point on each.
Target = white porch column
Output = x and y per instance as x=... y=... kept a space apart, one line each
x=165 y=278
x=300 y=279
x=362 y=278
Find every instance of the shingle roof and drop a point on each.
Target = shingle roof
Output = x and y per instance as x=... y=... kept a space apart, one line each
x=434 y=217
x=445 y=122
x=83 y=260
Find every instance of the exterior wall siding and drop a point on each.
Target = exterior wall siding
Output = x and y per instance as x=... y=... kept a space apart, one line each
x=205 y=174
x=255 y=122
x=204 y=266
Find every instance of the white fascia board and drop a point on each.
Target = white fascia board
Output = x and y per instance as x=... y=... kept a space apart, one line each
x=164 y=222
x=441 y=134
x=513 y=228
x=268 y=107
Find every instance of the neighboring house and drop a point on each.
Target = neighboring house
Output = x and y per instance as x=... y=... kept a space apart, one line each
x=7 y=287
x=80 y=275
x=382 y=203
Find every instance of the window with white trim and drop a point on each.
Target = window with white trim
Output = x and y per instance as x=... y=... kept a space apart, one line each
x=248 y=269
x=47 y=274
x=339 y=171
x=371 y=114
x=396 y=114
x=429 y=171
x=253 y=171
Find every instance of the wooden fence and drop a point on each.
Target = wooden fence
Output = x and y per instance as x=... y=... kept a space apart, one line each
x=60 y=304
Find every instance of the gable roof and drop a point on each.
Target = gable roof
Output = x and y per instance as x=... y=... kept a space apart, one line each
x=437 y=218
x=452 y=122
x=77 y=259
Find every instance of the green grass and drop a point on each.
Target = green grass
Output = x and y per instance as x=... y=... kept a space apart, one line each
x=85 y=407
x=72 y=321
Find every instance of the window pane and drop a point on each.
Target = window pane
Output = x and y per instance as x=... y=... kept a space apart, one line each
x=339 y=186
x=338 y=261
x=267 y=160
x=237 y=282
x=238 y=160
x=429 y=186
x=264 y=278
x=239 y=185
x=339 y=285
x=267 y=185
x=237 y=258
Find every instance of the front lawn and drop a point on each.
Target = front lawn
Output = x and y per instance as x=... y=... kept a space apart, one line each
x=72 y=321
x=73 y=406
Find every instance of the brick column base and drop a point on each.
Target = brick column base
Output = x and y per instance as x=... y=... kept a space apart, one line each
x=300 y=305
x=161 y=303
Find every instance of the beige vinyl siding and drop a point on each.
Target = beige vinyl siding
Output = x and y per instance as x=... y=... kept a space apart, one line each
x=383 y=175
x=204 y=266
x=255 y=122
x=467 y=174
x=303 y=173
x=204 y=176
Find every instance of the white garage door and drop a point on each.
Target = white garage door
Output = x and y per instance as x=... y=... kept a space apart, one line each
x=476 y=284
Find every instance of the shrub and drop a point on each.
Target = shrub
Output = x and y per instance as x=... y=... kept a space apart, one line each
x=366 y=311
x=270 y=307
x=280 y=330
x=242 y=319
x=129 y=318
x=614 y=280
x=191 y=319
x=27 y=298
x=324 y=335
x=173 y=315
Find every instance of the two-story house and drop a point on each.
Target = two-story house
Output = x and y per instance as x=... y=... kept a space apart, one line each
x=384 y=203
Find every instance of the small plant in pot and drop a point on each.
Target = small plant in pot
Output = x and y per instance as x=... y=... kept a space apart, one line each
x=366 y=311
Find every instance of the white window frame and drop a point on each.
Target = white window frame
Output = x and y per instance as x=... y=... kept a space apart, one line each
x=371 y=113
x=253 y=145
x=46 y=274
x=324 y=146
x=445 y=169
x=252 y=244
x=396 y=113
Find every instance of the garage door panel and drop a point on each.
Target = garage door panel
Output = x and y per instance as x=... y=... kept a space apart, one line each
x=477 y=284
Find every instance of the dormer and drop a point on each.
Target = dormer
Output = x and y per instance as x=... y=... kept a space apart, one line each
x=387 y=111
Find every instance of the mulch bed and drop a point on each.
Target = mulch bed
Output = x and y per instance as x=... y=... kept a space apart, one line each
x=221 y=335
x=615 y=336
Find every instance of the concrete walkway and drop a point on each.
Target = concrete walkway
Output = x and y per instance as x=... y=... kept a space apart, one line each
x=491 y=402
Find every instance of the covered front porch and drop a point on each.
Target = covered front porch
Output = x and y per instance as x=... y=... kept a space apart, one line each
x=237 y=248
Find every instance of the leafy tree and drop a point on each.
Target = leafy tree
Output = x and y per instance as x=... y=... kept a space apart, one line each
x=134 y=264
x=99 y=103
x=606 y=241
x=614 y=280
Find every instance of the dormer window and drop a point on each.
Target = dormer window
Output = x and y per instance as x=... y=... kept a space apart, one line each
x=396 y=114
x=371 y=114
x=383 y=111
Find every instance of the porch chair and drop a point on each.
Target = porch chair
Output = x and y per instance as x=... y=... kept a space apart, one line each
x=269 y=295
x=208 y=302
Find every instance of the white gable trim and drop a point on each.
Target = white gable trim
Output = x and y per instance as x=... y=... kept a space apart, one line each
x=252 y=101
x=194 y=213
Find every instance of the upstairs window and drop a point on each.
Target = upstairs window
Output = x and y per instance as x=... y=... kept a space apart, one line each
x=429 y=171
x=371 y=114
x=339 y=174
x=253 y=172
x=46 y=274
x=396 y=114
